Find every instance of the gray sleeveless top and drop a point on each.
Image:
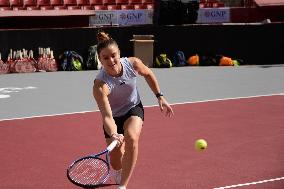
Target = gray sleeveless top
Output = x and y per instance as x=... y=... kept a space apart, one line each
x=123 y=90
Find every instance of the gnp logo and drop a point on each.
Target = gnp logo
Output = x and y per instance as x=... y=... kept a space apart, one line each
x=215 y=13
x=104 y=16
x=131 y=16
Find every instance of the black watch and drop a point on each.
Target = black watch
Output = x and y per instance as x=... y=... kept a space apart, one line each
x=159 y=94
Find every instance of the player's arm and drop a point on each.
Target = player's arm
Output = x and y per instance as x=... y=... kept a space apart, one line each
x=101 y=92
x=152 y=81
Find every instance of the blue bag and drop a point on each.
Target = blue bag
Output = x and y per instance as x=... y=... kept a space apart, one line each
x=179 y=59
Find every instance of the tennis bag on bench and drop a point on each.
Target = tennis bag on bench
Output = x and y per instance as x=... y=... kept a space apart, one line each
x=162 y=61
x=93 y=62
x=71 y=61
x=179 y=59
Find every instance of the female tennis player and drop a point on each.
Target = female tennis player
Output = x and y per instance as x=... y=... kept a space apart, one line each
x=118 y=99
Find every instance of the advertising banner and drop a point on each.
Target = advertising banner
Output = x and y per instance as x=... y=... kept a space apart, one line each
x=213 y=15
x=103 y=17
x=122 y=17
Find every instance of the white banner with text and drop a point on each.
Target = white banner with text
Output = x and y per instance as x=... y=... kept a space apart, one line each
x=122 y=17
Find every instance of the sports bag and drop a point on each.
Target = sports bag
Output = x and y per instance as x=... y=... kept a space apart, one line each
x=93 y=62
x=162 y=61
x=71 y=61
x=193 y=60
x=179 y=59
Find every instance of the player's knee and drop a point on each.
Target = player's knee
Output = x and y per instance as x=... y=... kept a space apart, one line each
x=131 y=141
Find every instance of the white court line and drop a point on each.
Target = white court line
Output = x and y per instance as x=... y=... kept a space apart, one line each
x=251 y=183
x=190 y=102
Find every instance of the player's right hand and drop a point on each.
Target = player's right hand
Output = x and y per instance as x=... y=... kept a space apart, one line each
x=119 y=138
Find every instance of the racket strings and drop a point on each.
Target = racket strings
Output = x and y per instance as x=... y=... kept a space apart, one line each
x=90 y=171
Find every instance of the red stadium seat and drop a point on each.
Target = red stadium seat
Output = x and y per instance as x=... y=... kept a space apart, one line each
x=56 y=2
x=127 y=7
x=134 y=1
x=100 y=7
x=140 y=6
x=87 y=7
x=150 y=6
x=121 y=2
x=221 y=4
x=96 y=2
x=43 y=2
x=19 y=8
x=16 y=3
x=60 y=7
x=70 y=7
x=148 y=1
x=4 y=3
x=82 y=2
x=29 y=3
x=113 y=7
x=69 y=2
x=46 y=7
x=32 y=8
x=108 y=2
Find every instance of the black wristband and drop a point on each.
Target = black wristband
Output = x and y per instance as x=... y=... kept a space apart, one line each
x=159 y=94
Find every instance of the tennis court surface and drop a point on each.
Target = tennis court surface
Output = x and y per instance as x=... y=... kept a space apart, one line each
x=245 y=146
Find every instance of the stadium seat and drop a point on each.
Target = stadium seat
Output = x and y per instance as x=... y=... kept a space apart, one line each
x=69 y=2
x=127 y=7
x=73 y=7
x=4 y=3
x=140 y=6
x=134 y=1
x=83 y=2
x=60 y=7
x=96 y=2
x=43 y=3
x=33 y=8
x=150 y=6
x=18 y=8
x=56 y=3
x=108 y=2
x=148 y=1
x=16 y=3
x=113 y=7
x=29 y=3
x=46 y=7
x=87 y=7
x=100 y=7
x=124 y=2
x=221 y=4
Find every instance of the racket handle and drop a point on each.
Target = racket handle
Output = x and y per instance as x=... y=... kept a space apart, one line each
x=112 y=145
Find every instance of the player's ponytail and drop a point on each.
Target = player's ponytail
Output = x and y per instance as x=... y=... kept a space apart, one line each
x=104 y=40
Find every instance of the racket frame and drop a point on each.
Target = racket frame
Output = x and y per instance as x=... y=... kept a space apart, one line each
x=95 y=156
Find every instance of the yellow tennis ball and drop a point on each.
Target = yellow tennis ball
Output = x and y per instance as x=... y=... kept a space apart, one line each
x=200 y=144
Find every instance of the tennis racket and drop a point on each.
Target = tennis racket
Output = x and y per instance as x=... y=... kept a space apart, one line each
x=92 y=170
